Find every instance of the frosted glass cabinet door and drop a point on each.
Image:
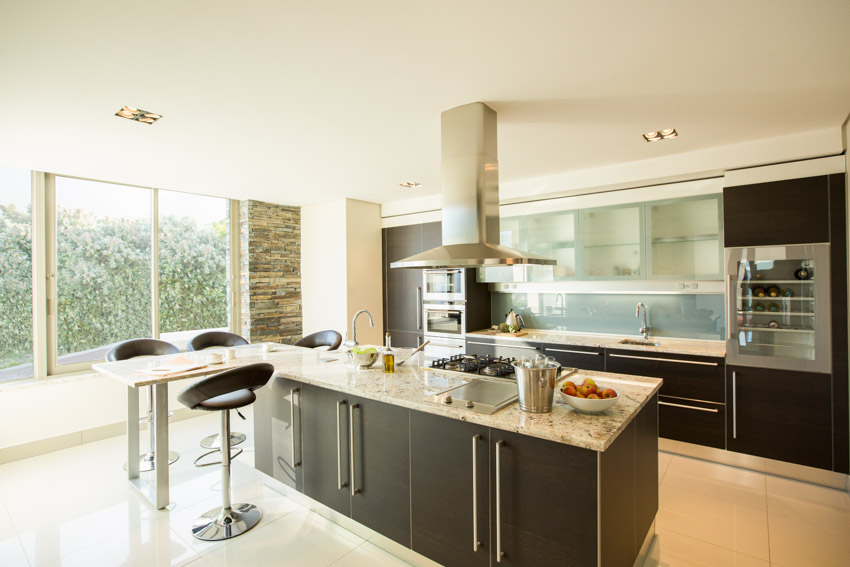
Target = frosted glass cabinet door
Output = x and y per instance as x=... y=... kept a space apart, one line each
x=611 y=242
x=685 y=239
x=552 y=235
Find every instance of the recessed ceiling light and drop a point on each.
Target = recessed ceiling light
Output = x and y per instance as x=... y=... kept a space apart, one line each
x=661 y=135
x=410 y=184
x=138 y=115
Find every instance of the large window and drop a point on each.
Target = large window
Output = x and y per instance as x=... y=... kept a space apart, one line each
x=103 y=267
x=15 y=275
x=110 y=262
x=193 y=255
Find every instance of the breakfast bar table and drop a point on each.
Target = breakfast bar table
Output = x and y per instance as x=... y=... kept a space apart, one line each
x=138 y=372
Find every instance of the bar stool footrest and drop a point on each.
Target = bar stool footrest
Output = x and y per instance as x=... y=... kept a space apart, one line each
x=218 y=462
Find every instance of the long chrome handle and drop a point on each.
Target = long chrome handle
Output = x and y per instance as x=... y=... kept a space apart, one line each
x=503 y=345
x=677 y=360
x=574 y=351
x=445 y=345
x=688 y=407
x=342 y=485
x=475 y=543
x=732 y=313
x=734 y=406
x=499 y=553
x=292 y=393
x=418 y=307
x=351 y=445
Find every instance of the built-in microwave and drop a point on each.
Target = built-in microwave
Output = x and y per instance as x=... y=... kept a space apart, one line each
x=444 y=320
x=444 y=285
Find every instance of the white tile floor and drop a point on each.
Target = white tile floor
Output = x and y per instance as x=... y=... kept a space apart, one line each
x=74 y=508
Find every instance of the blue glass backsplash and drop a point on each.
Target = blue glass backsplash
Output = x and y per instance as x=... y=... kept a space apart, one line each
x=684 y=316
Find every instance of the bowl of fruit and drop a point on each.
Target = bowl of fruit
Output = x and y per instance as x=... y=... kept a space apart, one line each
x=588 y=397
x=362 y=357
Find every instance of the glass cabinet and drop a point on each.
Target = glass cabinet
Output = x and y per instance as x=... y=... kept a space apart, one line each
x=779 y=307
x=684 y=238
x=611 y=242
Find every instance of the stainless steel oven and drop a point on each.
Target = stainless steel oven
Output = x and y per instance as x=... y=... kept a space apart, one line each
x=444 y=285
x=444 y=320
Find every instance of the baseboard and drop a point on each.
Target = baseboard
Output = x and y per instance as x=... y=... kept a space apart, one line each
x=68 y=440
x=802 y=473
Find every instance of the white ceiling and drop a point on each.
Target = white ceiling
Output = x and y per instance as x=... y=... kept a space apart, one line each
x=301 y=102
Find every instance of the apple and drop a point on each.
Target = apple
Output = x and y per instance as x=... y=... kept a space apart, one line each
x=592 y=397
x=580 y=395
x=586 y=389
x=608 y=393
x=589 y=381
x=569 y=390
x=569 y=384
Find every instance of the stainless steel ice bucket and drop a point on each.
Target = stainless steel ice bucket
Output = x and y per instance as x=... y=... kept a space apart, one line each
x=536 y=386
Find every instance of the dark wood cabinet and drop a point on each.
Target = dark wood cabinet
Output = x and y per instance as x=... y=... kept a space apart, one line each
x=542 y=494
x=380 y=471
x=581 y=357
x=326 y=448
x=692 y=401
x=791 y=211
x=450 y=490
x=779 y=414
x=402 y=287
x=278 y=442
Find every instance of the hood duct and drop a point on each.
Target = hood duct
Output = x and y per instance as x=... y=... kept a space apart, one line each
x=470 y=177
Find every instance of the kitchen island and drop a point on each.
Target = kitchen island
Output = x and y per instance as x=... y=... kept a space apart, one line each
x=460 y=487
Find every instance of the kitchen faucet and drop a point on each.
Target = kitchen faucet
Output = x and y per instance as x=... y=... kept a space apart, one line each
x=560 y=297
x=644 y=330
x=353 y=342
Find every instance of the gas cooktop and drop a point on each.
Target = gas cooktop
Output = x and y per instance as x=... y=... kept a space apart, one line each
x=492 y=366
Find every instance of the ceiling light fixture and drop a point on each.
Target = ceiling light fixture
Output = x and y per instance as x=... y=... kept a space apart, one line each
x=410 y=184
x=137 y=115
x=661 y=135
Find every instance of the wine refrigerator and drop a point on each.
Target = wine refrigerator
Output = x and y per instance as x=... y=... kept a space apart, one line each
x=779 y=307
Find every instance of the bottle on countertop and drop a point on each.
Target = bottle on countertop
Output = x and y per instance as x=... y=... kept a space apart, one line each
x=388 y=357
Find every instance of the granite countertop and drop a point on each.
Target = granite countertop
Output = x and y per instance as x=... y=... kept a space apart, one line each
x=672 y=346
x=411 y=383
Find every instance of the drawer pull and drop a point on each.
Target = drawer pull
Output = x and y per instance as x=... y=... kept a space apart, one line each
x=503 y=345
x=660 y=403
x=574 y=351
x=698 y=362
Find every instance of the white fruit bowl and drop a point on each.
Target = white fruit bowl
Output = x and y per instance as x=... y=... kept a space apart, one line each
x=588 y=406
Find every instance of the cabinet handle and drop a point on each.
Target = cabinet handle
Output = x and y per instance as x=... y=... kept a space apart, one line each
x=732 y=316
x=475 y=543
x=342 y=485
x=418 y=307
x=734 y=406
x=660 y=403
x=503 y=345
x=574 y=351
x=292 y=393
x=676 y=360
x=351 y=444
x=445 y=345
x=499 y=553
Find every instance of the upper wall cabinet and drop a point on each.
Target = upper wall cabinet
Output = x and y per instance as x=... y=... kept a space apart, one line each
x=685 y=238
x=611 y=241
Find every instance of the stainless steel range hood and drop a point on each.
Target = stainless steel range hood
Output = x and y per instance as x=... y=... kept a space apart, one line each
x=470 y=176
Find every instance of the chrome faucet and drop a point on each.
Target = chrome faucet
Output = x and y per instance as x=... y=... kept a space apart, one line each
x=560 y=297
x=353 y=342
x=644 y=330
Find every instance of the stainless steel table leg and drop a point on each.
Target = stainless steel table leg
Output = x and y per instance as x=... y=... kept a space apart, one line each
x=132 y=433
x=160 y=417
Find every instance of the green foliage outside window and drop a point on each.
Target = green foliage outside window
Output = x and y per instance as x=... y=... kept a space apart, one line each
x=103 y=280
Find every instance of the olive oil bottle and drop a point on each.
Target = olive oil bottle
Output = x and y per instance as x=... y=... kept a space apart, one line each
x=389 y=357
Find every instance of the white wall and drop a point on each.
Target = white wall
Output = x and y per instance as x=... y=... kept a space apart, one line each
x=341 y=267
x=323 y=267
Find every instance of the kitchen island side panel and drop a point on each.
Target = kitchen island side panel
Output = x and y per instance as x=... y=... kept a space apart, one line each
x=838 y=272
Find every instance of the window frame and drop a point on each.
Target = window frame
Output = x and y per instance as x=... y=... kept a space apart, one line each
x=44 y=247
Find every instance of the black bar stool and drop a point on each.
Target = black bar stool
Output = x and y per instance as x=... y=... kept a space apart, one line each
x=145 y=347
x=210 y=339
x=329 y=338
x=223 y=392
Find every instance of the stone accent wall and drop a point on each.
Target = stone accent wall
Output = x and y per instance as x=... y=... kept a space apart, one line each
x=270 y=280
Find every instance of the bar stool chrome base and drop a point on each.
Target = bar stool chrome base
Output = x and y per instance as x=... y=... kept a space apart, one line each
x=147 y=462
x=213 y=441
x=225 y=523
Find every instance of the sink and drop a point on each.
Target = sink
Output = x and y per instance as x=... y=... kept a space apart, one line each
x=639 y=342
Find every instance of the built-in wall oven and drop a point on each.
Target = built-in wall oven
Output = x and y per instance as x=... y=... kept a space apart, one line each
x=444 y=285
